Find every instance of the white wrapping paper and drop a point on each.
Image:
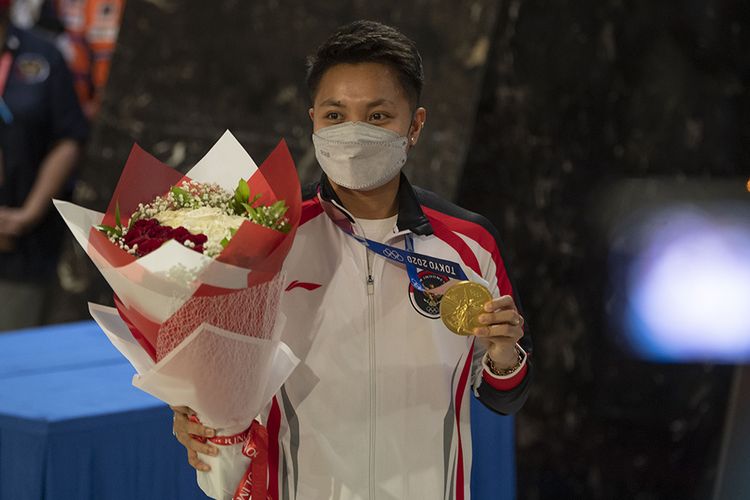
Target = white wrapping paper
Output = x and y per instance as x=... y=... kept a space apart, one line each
x=216 y=325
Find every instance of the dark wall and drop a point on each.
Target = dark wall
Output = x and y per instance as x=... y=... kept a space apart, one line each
x=533 y=107
x=579 y=94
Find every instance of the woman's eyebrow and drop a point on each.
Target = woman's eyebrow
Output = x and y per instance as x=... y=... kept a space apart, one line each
x=380 y=102
x=332 y=102
x=372 y=104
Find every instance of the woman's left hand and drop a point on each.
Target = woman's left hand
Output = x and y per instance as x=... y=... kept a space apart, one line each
x=502 y=331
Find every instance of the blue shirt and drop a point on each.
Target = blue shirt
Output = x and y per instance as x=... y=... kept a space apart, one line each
x=39 y=93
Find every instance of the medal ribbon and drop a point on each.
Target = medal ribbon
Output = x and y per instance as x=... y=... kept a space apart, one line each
x=404 y=257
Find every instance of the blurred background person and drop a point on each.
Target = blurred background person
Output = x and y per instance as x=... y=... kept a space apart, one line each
x=85 y=32
x=41 y=133
x=89 y=33
x=25 y=13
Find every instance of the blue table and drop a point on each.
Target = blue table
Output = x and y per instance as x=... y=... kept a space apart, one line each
x=72 y=427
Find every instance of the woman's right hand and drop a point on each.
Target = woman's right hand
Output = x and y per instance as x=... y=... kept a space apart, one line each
x=184 y=430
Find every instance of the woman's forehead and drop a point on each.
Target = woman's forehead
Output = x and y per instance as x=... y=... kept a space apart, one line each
x=362 y=83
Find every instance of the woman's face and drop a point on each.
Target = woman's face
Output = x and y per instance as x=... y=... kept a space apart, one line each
x=365 y=92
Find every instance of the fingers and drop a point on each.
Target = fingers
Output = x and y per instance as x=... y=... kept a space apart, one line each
x=185 y=431
x=504 y=316
x=509 y=316
x=501 y=333
x=194 y=445
x=183 y=424
x=184 y=410
x=503 y=323
x=501 y=318
x=500 y=303
x=196 y=463
x=196 y=429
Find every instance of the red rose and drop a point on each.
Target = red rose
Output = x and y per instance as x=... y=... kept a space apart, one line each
x=138 y=230
x=160 y=232
x=149 y=235
x=148 y=245
x=180 y=234
x=198 y=239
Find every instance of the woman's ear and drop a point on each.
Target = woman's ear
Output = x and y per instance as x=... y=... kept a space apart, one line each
x=417 y=124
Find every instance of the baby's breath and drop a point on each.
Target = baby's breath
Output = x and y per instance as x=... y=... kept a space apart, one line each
x=187 y=194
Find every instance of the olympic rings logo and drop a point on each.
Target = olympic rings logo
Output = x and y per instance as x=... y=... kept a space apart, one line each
x=393 y=254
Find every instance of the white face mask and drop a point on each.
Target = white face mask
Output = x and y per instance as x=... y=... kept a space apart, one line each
x=358 y=155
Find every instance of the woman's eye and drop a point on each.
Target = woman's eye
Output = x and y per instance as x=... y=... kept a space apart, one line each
x=333 y=115
x=377 y=117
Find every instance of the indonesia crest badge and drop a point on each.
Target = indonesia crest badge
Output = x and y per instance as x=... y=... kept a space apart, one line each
x=426 y=303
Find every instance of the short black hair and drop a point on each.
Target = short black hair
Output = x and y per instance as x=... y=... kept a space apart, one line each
x=369 y=41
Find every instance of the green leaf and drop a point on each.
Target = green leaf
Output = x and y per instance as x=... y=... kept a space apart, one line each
x=249 y=209
x=237 y=207
x=118 y=223
x=109 y=230
x=179 y=192
x=225 y=241
x=242 y=193
x=279 y=209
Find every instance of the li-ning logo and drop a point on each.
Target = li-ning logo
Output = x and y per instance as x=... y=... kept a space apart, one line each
x=426 y=303
x=300 y=284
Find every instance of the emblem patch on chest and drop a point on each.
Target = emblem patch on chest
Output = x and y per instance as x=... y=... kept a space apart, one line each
x=32 y=68
x=425 y=303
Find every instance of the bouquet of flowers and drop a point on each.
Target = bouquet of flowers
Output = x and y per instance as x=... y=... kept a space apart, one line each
x=195 y=265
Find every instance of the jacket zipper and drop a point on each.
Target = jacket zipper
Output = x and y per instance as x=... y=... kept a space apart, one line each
x=371 y=332
x=371 y=326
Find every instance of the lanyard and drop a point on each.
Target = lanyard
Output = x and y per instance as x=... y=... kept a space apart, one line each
x=6 y=63
x=413 y=261
x=408 y=258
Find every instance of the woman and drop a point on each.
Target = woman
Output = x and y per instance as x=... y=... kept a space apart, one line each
x=379 y=406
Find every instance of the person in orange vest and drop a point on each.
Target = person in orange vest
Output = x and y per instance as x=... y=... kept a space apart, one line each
x=92 y=27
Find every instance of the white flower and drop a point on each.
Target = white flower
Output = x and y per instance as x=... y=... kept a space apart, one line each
x=215 y=223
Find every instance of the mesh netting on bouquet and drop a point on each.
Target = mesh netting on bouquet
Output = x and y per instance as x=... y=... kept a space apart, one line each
x=195 y=264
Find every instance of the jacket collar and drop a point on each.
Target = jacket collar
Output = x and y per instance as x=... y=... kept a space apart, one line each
x=410 y=214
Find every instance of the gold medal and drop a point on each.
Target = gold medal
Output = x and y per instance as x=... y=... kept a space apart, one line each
x=461 y=306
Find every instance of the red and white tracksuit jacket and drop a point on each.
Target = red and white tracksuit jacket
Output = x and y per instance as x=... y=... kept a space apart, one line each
x=379 y=406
